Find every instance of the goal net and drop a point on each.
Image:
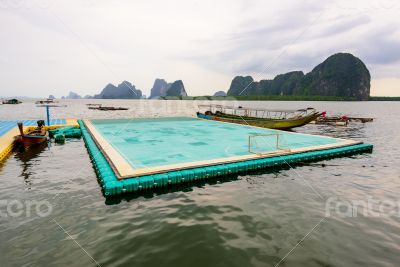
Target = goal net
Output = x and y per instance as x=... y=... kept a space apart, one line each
x=267 y=143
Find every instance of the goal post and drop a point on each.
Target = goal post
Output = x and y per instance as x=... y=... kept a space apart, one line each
x=261 y=144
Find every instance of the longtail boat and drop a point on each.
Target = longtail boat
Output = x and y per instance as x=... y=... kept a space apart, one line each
x=31 y=138
x=100 y=107
x=11 y=101
x=340 y=120
x=46 y=101
x=93 y=106
x=267 y=118
x=112 y=108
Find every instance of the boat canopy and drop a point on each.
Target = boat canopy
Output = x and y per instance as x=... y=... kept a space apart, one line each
x=258 y=112
x=216 y=106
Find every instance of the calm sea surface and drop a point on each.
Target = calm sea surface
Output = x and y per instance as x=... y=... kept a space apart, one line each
x=339 y=212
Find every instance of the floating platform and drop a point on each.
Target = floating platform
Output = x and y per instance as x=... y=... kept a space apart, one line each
x=138 y=154
x=9 y=129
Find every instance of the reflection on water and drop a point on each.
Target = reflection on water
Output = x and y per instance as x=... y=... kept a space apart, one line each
x=352 y=131
x=28 y=161
x=252 y=219
x=183 y=187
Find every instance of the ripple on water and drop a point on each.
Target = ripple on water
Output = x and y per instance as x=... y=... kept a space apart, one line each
x=250 y=220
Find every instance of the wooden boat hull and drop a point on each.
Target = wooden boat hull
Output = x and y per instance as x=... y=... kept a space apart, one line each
x=107 y=108
x=11 y=102
x=31 y=138
x=27 y=141
x=279 y=124
x=111 y=108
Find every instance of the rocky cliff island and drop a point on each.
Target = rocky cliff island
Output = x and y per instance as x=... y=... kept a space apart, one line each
x=340 y=75
x=124 y=90
x=161 y=89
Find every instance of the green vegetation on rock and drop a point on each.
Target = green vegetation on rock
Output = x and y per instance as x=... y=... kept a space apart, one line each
x=263 y=98
x=384 y=98
x=340 y=75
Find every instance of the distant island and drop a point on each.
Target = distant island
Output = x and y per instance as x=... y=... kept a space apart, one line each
x=124 y=90
x=127 y=90
x=161 y=89
x=340 y=75
x=220 y=93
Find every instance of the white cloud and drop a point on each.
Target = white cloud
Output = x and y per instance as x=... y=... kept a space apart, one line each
x=53 y=47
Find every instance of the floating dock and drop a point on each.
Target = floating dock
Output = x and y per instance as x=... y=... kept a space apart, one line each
x=138 y=154
x=9 y=129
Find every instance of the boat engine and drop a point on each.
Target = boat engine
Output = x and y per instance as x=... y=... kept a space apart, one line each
x=40 y=123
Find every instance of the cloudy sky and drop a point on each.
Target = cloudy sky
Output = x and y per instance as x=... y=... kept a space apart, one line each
x=53 y=47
